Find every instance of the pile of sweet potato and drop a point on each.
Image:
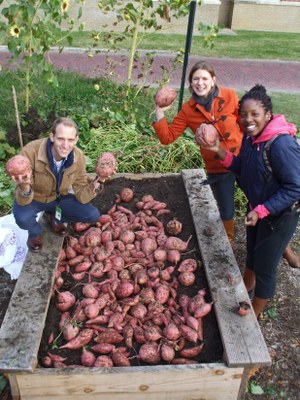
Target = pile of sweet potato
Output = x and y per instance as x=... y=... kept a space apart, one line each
x=130 y=308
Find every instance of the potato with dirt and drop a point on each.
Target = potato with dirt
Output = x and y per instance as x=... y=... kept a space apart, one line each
x=19 y=167
x=165 y=96
x=106 y=166
x=206 y=133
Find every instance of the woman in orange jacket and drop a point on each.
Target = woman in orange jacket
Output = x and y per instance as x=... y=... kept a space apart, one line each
x=212 y=104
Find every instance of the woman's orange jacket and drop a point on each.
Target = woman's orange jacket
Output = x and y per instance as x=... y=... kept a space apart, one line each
x=224 y=106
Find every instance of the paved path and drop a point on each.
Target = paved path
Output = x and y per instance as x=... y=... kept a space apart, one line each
x=277 y=76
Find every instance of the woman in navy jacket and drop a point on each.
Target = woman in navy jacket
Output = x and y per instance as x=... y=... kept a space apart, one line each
x=273 y=194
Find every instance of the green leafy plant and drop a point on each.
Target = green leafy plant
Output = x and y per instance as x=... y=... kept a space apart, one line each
x=255 y=388
x=272 y=312
x=140 y=18
x=6 y=191
x=6 y=151
x=32 y=27
x=138 y=152
x=209 y=32
x=3 y=383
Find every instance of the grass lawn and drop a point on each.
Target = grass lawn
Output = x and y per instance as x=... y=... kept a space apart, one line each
x=240 y=44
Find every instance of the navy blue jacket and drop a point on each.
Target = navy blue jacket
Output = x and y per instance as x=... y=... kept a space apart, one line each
x=283 y=189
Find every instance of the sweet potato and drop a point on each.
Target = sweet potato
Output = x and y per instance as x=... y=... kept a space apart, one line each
x=189 y=333
x=178 y=361
x=165 y=96
x=81 y=340
x=160 y=255
x=91 y=310
x=167 y=352
x=106 y=166
x=174 y=243
x=186 y=278
x=173 y=256
x=174 y=227
x=149 y=245
x=109 y=336
x=138 y=311
x=149 y=353
x=208 y=133
x=90 y=291
x=188 y=265
x=119 y=359
x=162 y=293
x=65 y=301
x=152 y=333
x=103 y=348
x=171 y=331
x=87 y=358
x=18 y=166
x=103 y=362
x=202 y=310
x=191 y=352
x=126 y=195
x=124 y=289
x=81 y=226
x=70 y=331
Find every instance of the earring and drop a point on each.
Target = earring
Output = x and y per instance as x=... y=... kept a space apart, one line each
x=212 y=85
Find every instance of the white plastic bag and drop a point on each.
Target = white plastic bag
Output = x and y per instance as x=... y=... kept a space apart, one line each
x=13 y=246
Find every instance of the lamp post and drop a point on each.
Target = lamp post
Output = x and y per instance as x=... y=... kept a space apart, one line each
x=188 y=43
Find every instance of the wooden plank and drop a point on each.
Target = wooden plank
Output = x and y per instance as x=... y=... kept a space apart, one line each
x=242 y=338
x=184 y=382
x=24 y=321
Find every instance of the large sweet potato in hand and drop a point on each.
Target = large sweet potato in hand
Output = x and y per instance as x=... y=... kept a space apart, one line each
x=165 y=96
x=106 y=166
x=208 y=133
x=18 y=166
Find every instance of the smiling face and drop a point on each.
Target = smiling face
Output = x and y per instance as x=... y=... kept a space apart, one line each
x=64 y=140
x=254 y=117
x=202 y=82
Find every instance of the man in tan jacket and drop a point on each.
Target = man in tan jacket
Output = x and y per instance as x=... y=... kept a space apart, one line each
x=57 y=185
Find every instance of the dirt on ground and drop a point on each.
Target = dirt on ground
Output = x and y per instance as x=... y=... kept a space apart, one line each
x=279 y=323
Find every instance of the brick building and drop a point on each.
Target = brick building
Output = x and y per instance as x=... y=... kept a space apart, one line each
x=256 y=15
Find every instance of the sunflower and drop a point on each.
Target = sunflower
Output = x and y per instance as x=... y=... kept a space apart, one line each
x=64 y=5
x=14 y=31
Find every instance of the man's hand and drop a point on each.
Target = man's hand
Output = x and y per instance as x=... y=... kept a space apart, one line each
x=23 y=181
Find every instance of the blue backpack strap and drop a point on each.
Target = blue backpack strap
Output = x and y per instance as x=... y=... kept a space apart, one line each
x=267 y=150
x=266 y=159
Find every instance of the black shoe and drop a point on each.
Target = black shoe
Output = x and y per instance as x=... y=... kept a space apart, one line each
x=35 y=243
x=56 y=227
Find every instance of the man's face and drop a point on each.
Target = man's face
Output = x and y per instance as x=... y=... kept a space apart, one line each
x=64 y=141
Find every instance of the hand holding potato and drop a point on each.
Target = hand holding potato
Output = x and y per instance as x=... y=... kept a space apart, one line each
x=106 y=166
x=20 y=170
x=165 y=97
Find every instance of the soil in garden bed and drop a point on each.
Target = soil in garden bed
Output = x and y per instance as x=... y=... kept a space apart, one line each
x=170 y=190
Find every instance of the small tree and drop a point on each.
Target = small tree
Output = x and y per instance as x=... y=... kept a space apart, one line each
x=32 y=27
x=143 y=17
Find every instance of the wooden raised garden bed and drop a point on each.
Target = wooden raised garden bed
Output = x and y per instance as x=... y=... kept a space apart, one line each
x=232 y=344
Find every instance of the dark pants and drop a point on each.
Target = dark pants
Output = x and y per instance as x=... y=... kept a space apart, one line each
x=72 y=211
x=222 y=186
x=265 y=244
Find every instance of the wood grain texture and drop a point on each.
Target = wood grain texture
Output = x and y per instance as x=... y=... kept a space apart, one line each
x=182 y=382
x=242 y=338
x=23 y=324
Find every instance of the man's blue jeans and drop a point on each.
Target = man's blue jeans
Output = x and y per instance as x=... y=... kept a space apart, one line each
x=72 y=211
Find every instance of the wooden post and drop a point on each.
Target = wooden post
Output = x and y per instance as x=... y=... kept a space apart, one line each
x=17 y=116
